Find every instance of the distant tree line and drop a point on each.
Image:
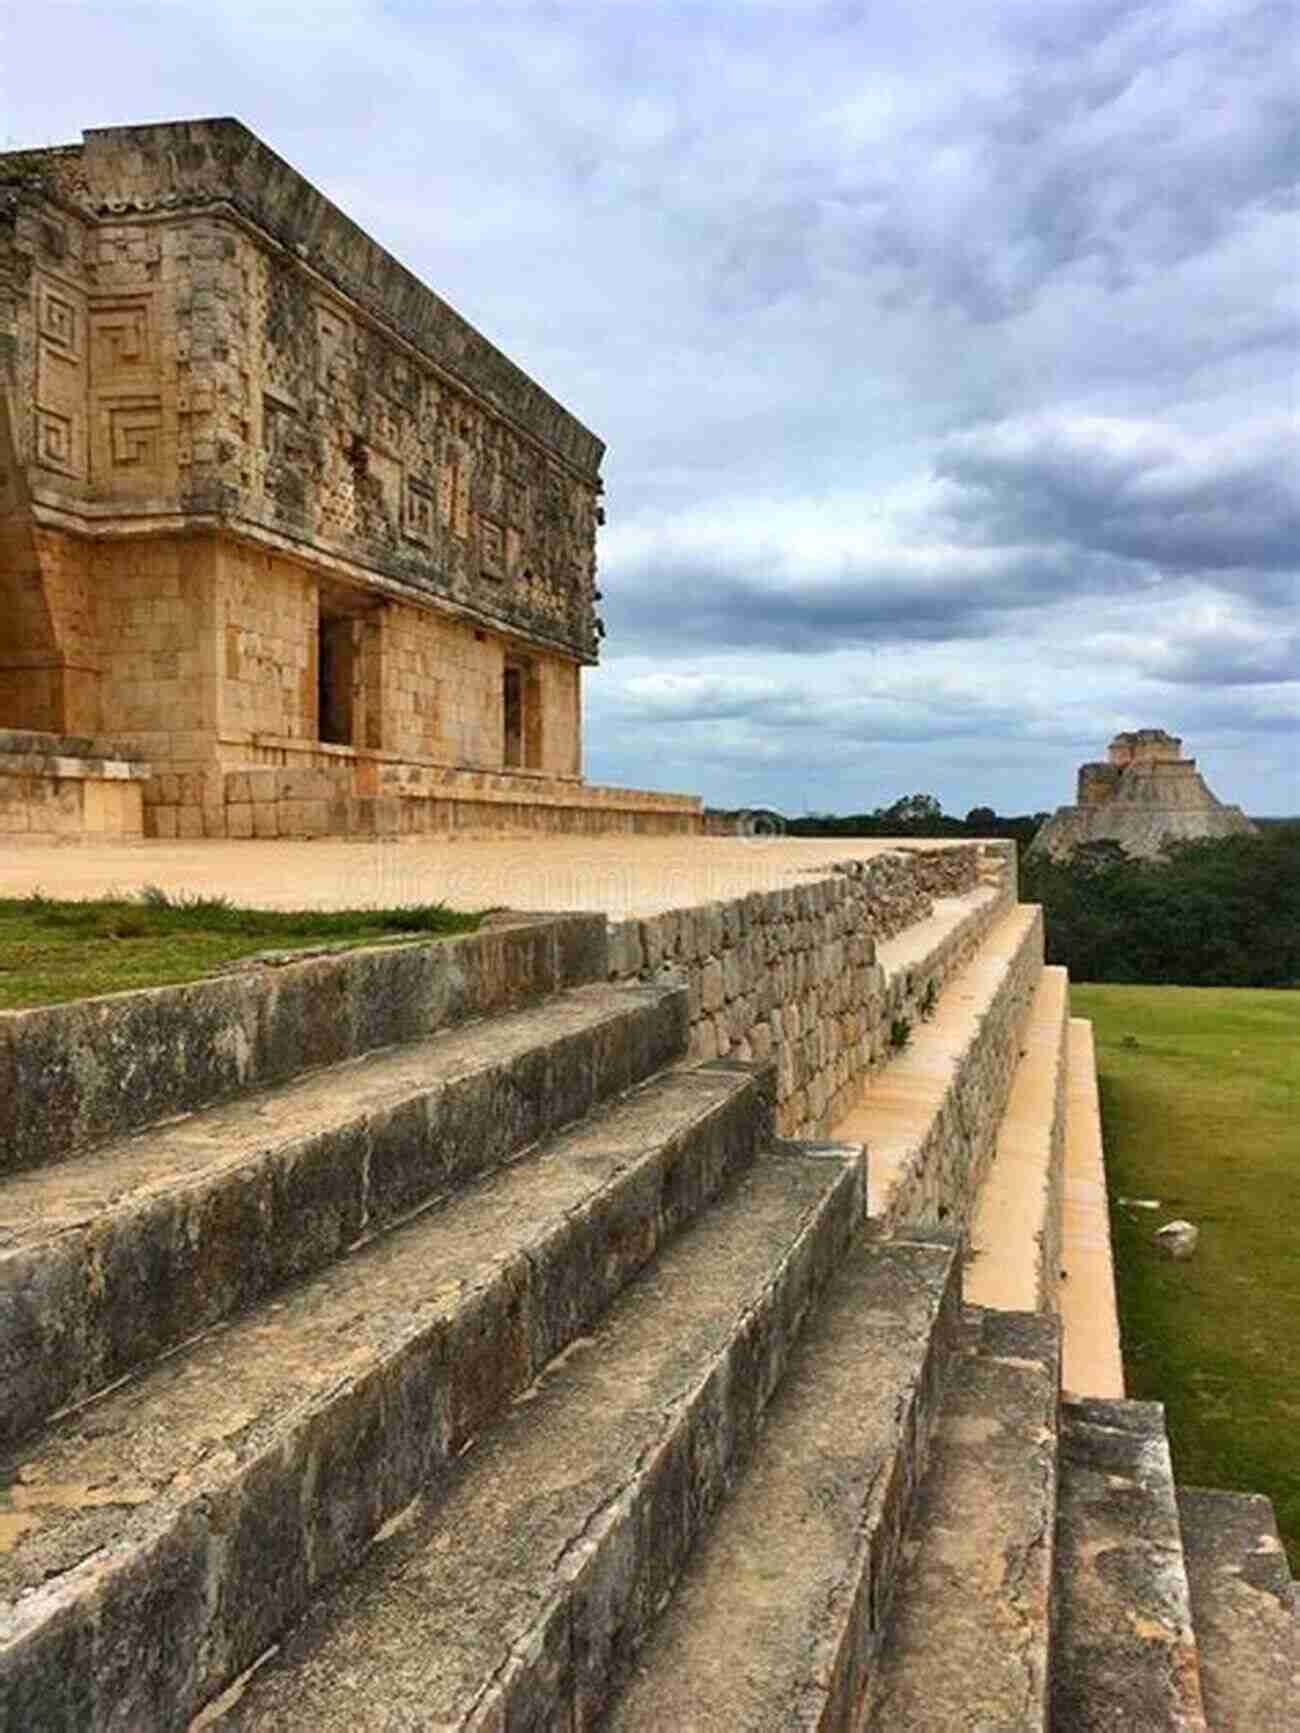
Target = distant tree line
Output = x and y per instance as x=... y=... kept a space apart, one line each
x=1223 y=912
x=918 y=815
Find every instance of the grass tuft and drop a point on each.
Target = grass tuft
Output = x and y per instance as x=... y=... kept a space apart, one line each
x=53 y=951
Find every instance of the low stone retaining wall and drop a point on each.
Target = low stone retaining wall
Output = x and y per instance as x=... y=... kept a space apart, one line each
x=792 y=973
x=54 y=788
x=72 y=1075
x=369 y=796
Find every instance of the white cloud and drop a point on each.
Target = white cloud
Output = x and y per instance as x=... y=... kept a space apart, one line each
x=946 y=355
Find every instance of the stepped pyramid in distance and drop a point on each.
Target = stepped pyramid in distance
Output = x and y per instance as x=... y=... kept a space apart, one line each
x=449 y=1337
x=1144 y=795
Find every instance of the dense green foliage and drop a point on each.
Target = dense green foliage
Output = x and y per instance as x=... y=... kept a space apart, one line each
x=1200 y=1098
x=1217 y=913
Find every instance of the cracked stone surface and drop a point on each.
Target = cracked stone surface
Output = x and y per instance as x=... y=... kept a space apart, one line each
x=968 y=1639
x=521 y=1582
x=161 y=1536
x=1125 y=1651
x=111 y=1258
x=776 y=1621
x=1246 y=1631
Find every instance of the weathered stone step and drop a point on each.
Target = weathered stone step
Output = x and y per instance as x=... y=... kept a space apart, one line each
x=155 y=1541
x=111 y=1258
x=76 y=1075
x=521 y=1585
x=1124 y=1646
x=930 y=1118
x=777 y=1620
x=1246 y=1637
x=1091 y=1360
x=968 y=1640
x=1015 y=1234
x=916 y=963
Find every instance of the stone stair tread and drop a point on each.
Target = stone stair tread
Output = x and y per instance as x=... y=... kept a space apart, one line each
x=111 y=1258
x=968 y=1639
x=523 y=1577
x=1124 y=1643
x=39 y=1203
x=290 y=1434
x=777 y=1618
x=1015 y=1233
x=1091 y=1359
x=913 y=950
x=1246 y=1637
x=903 y=1106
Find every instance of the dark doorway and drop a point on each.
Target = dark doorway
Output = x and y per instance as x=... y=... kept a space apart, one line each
x=513 y=707
x=336 y=679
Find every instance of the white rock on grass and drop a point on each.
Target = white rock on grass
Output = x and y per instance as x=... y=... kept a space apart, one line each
x=1177 y=1239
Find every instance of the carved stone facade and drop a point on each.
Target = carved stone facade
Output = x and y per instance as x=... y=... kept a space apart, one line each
x=267 y=503
x=1144 y=794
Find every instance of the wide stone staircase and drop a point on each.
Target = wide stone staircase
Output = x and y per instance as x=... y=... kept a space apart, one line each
x=423 y=1339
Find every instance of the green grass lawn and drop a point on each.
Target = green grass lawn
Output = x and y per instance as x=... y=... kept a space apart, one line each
x=53 y=951
x=1200 y=1096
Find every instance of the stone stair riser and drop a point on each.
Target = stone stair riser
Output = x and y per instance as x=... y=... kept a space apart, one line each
x=1247 y=1638
x=836 y=1469
x=1015 y=1231
x=907 y=990
x=1092 y=1360
x=944 y=1174
x=618 y=1578
x=82 y=1309
x=1125 y=1650
x=969 y=1634
x=1052 y=1245
x=230 y=1559
x=846 y=1662
x=73 y=1075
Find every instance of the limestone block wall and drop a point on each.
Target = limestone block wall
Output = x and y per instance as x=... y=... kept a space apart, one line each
x=54 y=788
x=266 y=629
x=189 y=326
x=792 y=973
x=324 y=791
x=157 y=653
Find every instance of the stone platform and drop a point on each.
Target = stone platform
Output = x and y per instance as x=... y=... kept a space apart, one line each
x=569 y=1325
x=623 y=876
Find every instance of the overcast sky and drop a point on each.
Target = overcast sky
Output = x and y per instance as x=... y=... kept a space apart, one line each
x=946 y=354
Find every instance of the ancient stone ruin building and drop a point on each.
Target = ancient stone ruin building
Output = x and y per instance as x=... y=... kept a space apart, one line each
x=286 y=546
x=1144 y=794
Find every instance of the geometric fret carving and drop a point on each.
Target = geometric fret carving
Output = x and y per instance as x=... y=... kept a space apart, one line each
x=125 y=380
x=57 y=441
x=121 y=344
x=418 y=521
x=135 y=434
x=58 y=320
x=60 y=380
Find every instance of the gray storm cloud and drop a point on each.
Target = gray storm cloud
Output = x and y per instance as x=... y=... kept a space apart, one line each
x=946 y=355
